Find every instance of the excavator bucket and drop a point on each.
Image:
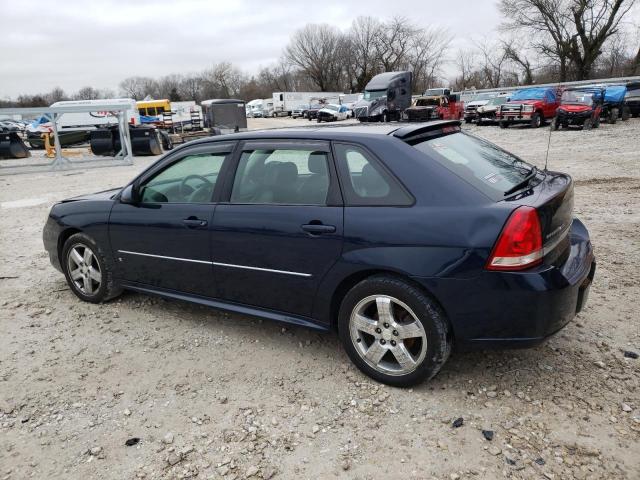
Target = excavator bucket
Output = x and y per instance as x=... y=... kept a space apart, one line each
x=145 y=141
x=102 y=141
x=12 y=146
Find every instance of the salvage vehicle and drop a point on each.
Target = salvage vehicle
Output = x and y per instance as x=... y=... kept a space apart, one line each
x=285 y=102
x=332 y=113
x=424 y=109
x=487 y=113
x=533 y=105
x=579 y=107
x=385 y=97
x=299 y=111
x=614 y=106
x=632 y=99
x=311 y=113
x=405 y=238
x=470 y=109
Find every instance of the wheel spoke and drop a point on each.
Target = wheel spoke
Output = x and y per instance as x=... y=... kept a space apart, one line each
x=88 y=287
x=364 y=324
x=403 y=356
x=88 y=256
x=76 y=274
x=385 y=314
x=95 y=274
x=410 y=330
x=375 y=353
x=76 y=257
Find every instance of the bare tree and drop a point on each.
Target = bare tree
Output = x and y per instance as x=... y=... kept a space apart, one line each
x=363 y=38
x=493 y=63
x=87 y=93
x=313 y=49
x=426 y=55
x=518 y=57
x=571 y=32
x=139 y=87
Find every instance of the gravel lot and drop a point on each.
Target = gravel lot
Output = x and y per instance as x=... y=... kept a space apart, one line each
x=212 y=395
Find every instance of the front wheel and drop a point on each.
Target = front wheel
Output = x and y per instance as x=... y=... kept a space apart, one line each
x=588 y=124
x=88 y=270
x=393 y=331
x=536 y=120
x=555 y=123
x=504 y=124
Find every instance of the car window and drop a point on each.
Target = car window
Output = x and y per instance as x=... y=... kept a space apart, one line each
x=189 y=180
x=285 y=177
x=365 y=181
x=481 y=163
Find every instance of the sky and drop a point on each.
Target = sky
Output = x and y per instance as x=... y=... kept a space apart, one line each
x=77 y=43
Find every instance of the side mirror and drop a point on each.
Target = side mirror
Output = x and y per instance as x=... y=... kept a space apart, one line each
x=129 y=195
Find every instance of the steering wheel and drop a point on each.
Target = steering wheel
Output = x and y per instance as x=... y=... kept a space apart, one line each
x=184 y=193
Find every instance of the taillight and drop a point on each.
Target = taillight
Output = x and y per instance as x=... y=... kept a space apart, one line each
x=519 y=245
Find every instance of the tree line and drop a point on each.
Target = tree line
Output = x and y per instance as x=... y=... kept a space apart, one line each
x=538 y=41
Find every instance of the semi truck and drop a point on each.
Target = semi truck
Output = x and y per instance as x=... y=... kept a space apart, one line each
x=385 y=98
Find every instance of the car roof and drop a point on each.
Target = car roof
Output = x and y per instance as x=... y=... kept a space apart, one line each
x=400 y=130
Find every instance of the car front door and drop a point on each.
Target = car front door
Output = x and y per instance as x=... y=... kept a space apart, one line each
x=280 y=229
x=162 y=238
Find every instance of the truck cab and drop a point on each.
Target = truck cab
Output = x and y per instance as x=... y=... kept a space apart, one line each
x=385 y=97
x=533 y=106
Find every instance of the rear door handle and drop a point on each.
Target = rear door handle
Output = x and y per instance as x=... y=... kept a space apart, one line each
x=193 y=222
x=318 y=229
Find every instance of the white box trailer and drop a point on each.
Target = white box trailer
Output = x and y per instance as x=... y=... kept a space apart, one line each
x=285 y=102
x=98 y=118
x=181 y=111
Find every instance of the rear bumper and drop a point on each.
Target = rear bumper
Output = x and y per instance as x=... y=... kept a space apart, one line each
x=518 y=309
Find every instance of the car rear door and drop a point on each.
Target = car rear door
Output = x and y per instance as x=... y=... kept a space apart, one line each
x=280 y=227
x=163 y=239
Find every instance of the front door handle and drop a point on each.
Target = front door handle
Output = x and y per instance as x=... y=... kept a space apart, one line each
x=318 y=229
x=193 y=222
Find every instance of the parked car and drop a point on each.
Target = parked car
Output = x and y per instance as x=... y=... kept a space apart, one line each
x=7 y=126
x=405 y=238
x=487 y=113
x=632 y=98
x=533 y=105
x=470 y=109
x=579 y=107
x=332 y=113
x=385 y=97
x=312 y=112
x=615 y=106
x=299 y=111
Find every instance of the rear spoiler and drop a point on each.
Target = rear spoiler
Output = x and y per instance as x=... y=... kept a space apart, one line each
x=424 y=131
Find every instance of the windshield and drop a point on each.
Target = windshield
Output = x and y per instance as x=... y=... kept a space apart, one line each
x=484 y=165
x=577 y=97
x=433 y=92
x=483 y=96
x=316 y=106
x=426 y=102
x=497 y=101
x=332 y=107
x=373 y=94
x=529 y=94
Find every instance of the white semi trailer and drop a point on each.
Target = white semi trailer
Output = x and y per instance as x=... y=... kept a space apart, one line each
x=285 y=102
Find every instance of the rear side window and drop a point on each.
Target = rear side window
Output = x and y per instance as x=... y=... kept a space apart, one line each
x=365 y=181
x=483 y=164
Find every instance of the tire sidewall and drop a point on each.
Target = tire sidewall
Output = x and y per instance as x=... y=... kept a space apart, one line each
x=429 y=315
x=102 y=293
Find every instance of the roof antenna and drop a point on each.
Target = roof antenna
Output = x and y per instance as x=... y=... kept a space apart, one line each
x=546 y=158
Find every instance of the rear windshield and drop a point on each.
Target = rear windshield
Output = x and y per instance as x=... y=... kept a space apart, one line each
x=483 y=164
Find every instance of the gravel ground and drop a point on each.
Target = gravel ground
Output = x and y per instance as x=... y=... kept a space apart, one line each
x=212 y=395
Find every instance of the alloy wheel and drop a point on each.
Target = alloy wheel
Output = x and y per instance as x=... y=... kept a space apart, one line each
x=84 y=269
x=387 y=335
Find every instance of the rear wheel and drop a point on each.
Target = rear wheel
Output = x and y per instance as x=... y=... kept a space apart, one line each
x=88 y=270
x=588 y=124
x=596 y=122
x=393 y=331
x=613 y=116
x=626 y=114
x=504 y=124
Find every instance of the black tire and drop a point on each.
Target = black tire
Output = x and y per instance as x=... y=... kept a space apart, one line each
x=613 y=116
x=536 y=120
x=108 y=288
x=428 y=313
x=588 y=124
x=504 y=124
x=555 y=123
x=467 y=120
x=384 y=118
x=596 y=122
x=626 y=114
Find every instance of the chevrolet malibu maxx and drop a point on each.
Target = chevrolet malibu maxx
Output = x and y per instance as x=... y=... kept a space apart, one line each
x=407 y=240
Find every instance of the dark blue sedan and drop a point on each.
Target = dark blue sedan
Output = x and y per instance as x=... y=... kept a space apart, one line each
x=405 y=239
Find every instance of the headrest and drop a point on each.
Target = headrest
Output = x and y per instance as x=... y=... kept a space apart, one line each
x=287 y=173
x=317 y=162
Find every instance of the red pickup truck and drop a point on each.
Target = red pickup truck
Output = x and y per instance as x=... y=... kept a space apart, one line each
x=531 y=105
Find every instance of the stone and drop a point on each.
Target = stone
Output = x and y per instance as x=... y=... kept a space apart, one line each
x=487 y=434
x=493 y=450
x=173 y=458
x=458 y=422
x=95 y=451
x=168 y=438
x=127 y=412
x=600 y=364
x=346 y=465
x=251 y=471
x=626 y=408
